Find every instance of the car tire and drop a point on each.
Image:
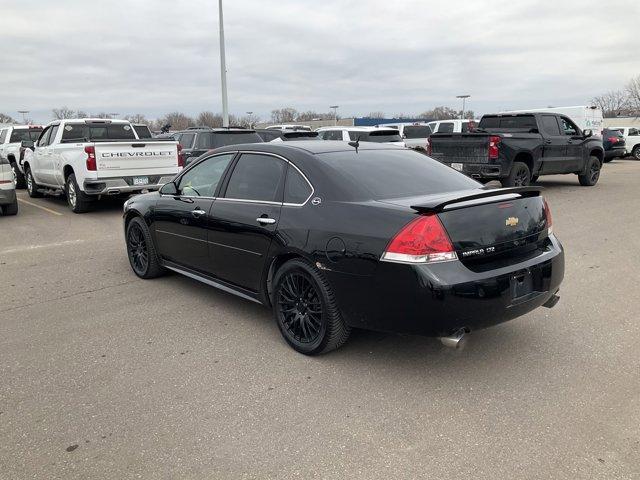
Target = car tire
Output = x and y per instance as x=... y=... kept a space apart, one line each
x=592 y=176
x=11 y=209
x=141 y=251
x=20 y=180
x=635 y=153
x=520 y=176
x=306 y=310
x=32 y=186
x=76 y=199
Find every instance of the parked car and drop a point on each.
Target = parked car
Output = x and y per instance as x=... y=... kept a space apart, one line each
x=11 y=148
x=517 y=148
x=586 y=117
x=333 y=237
x=631 y=140
x=614 y=144
x=88 y=158
x=289 y=126
x=196 y=141
x=452 y=126
x=414 y=135
x=8 y=199
x=273 y=135
x=363 y=134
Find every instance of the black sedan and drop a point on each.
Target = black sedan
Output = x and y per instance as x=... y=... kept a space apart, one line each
x=335 y=235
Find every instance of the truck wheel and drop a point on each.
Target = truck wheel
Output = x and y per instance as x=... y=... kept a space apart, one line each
x=11 y=209
x=520 y=176
x=141 y=250
x=636 y=152
x=20 y=180
x=77 y=200
x=32 y=186
x=590 y=178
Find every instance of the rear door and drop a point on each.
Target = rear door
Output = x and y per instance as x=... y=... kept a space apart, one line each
x=244 y=220
x=41 y=160
x=181 y=221
x=554 y=150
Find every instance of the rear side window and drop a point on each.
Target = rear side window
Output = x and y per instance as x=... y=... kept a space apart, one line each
x=519 y=122
x=20 y=134
x=634 y=132
x=550 y=125
x=333 y=135
x=386 y=174
x=142 y=131
x=256 y=177
x=296 y=189
x=568 y=126
x=445 y=127
x=84 y=132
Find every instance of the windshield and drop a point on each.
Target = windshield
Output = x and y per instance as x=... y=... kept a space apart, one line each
x=99 y=132
x=397 y=173
x=209 y=140
x=21 y=134
x=509 y=122
x=417 y=131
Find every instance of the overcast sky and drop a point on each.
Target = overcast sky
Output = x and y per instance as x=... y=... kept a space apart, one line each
x=156 y=56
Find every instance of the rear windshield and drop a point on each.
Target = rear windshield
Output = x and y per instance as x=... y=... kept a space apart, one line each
x=417 y=131
x=142 y=131
x=99 y=132
x=300 y=135
x=617 y=133
x=520 y=122
x=386 y=174
x=379 y=136
x=209 y=140
x=20 y=134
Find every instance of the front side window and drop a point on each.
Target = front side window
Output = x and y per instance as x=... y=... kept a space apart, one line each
x=445 y=127
x=256 y=177
x=568 y=126
x=43 y=141
x=54 y=132
x=296 y=189
x=203 y=179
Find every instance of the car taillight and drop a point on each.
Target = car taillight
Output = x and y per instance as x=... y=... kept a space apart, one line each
x=429 y=149
x=423 y=240
x=91 y=158
x=494 y=142
x=613 y=139
x=547 y=214
x=180 y=156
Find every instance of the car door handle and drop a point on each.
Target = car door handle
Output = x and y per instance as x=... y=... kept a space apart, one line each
x=548 y=142
x=197 y=212
x=266 y=221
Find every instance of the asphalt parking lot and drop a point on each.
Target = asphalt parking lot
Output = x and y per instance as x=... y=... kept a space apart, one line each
x=104 y=375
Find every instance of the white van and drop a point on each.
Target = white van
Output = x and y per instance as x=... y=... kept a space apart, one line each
x=585 y=116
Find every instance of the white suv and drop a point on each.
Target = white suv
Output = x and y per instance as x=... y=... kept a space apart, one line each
x=8 y=200
x=631 y=138
x=11 y=138
x=452 y=126
x=364 y=134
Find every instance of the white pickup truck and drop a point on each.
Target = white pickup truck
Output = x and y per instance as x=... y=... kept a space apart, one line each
x=11 y=149
x=90 y=158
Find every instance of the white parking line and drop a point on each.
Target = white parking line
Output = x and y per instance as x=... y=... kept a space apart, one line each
x=27 y=248
x=40 y=207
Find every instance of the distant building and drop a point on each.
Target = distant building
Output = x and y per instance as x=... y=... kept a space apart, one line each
x=621 y=122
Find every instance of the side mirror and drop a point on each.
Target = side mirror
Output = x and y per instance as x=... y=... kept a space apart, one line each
x=587 y=133
x=27 y=144
x=169 y=189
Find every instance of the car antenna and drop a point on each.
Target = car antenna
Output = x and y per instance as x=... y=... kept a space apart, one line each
x=355 y=144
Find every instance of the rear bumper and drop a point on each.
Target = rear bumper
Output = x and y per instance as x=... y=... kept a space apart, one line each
x=615 y=152
x=439 y=299
x=117 y=186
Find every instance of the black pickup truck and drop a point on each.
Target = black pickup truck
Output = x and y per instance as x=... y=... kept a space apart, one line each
x=517 y=148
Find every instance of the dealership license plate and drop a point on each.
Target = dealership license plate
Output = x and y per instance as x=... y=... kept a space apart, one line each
x=140 y=180
x=457 y=166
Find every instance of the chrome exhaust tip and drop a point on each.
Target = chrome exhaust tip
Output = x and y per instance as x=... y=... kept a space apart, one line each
x=457 y=340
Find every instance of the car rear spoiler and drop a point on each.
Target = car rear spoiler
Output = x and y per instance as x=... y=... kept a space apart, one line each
x=440 y=202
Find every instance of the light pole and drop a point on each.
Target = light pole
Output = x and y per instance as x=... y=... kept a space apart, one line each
x=223 y=71
x=24 y=113
x=463 y=97
x=250 y=122
x=335 y=113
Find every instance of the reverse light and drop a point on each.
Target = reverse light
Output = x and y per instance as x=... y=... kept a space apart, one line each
x=91 y=158
x=547 y=214
x=180 y=156
x=423 y=240
x=494 y=142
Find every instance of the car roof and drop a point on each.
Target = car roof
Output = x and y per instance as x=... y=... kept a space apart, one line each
x=356 y=129
x=308 y=146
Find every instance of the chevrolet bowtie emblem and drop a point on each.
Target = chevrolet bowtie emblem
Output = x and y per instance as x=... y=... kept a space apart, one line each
x=511 y=221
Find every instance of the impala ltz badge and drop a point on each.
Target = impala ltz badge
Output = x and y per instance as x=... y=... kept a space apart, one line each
x=511 y=221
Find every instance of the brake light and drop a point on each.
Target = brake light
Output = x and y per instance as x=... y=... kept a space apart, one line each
x=547 y=214
x=429 y=149
x=494 y=142
x=613 y=139
x=180 y=156
x=423 y=240
x=91 y=158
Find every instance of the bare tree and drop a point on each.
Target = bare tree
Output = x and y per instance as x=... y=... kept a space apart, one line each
x=312 y=115
x=81 y=114
x=633 y=95
x=612 y=103
x=137 y=118
x=209 y=119
x=375 y=115
x=4 y=118
x=62 y=113
x=440 y=113
x=177 y=120
x=284 y=115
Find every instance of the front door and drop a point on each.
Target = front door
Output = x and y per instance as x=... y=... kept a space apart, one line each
x=243 y=222
x=554 y=149
x=181 y=221
x=574 y=160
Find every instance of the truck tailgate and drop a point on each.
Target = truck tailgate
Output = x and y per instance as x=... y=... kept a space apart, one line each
x=139 y=158
x=460 y=148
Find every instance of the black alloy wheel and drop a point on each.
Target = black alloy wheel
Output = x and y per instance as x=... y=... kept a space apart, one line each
x=137 y=249
x=521 y=177
x=300 y=308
